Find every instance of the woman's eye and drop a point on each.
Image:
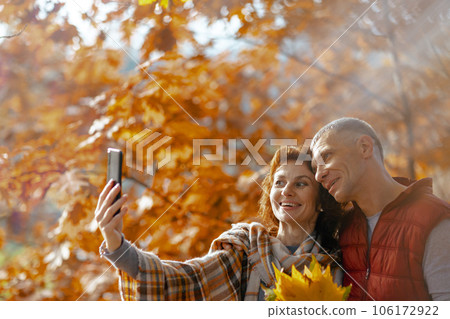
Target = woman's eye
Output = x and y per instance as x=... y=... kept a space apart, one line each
x=278 y=183
x=325 y=156
x=301 y=184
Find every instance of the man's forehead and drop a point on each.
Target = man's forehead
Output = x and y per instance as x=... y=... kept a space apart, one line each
x=325 y=141
x=333 y=141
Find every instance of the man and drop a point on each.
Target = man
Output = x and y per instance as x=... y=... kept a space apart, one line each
x=396 y=240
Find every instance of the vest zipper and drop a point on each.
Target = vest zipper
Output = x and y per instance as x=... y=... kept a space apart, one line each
x=366 y=277
x=369 y=244
x=367 y=273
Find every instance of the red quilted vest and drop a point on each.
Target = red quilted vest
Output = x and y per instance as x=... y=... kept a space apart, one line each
x=392 y=268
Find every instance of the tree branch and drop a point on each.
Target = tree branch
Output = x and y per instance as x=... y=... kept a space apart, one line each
x=336 y=76
x=408 y=116
x=439 y=59
x=343 y=78
x=14 y=35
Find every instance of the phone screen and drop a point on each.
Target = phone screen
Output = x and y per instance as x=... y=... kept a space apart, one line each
x=115 y=168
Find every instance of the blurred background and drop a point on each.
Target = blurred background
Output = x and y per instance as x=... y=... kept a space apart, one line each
x=77 y=77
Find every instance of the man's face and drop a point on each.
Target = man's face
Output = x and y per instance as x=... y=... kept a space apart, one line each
x=340 y=169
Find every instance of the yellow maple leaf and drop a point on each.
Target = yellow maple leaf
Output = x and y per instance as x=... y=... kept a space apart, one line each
x=144 y=2
x=163 y=3
x=313 y=284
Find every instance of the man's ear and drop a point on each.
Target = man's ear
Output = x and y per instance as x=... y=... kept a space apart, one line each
x=365 y=146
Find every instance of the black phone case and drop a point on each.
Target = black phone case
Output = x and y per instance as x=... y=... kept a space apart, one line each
x=115 y=169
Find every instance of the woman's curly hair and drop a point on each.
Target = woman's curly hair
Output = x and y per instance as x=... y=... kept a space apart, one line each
x=330 y=218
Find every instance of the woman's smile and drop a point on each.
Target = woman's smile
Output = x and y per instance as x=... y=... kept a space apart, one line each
x=289 y=205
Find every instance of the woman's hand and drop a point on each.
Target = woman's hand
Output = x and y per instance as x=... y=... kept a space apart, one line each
x=110 y=225
x=226 y=246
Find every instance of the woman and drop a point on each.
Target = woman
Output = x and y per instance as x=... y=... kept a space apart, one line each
x=301 y=219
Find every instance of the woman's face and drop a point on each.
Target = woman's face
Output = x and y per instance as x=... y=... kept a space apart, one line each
x=294 y=194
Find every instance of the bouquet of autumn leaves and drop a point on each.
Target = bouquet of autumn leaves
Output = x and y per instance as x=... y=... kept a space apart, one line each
x=315 y=284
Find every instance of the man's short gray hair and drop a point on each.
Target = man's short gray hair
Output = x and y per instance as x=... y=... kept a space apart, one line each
x=349 y=124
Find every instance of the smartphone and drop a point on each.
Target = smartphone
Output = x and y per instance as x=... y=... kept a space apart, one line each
x=115 y=157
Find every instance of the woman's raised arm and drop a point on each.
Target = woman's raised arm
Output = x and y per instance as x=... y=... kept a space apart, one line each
x=216 y=276
x=111 y=225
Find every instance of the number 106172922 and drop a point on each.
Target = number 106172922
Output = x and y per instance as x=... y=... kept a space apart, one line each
x=405 y=310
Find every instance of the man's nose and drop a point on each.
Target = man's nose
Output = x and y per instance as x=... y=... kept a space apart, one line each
x=320 y=173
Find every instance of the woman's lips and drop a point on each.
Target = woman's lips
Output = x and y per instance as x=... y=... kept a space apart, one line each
x=290 y=207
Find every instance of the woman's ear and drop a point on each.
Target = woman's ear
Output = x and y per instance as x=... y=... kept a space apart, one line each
x=319 y=208
x=365 y=146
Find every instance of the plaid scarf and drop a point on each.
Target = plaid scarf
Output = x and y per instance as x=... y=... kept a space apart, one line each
x=220 y=275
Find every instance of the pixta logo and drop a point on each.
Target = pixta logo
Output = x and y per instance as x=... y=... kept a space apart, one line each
x=253 y=150
x=148 y=142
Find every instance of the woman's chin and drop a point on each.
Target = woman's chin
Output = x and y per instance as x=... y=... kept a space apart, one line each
x=296 y=217
x=291 y=219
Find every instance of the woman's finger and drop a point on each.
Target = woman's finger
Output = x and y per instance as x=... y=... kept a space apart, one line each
x=103 y=194
x=118 y=218
x=226 y=246
x=105 y=190
x=110 y=197
x=109 y=214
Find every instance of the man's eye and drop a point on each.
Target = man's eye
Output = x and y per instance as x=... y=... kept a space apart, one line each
x=325 y=156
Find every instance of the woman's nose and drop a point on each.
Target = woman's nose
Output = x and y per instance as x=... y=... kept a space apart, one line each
x=287 y=190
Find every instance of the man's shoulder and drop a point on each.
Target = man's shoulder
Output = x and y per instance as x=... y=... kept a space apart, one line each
x=427 y=203
x=418 y=198
x=419 y=208
x=424 y=211
x=422 y=189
